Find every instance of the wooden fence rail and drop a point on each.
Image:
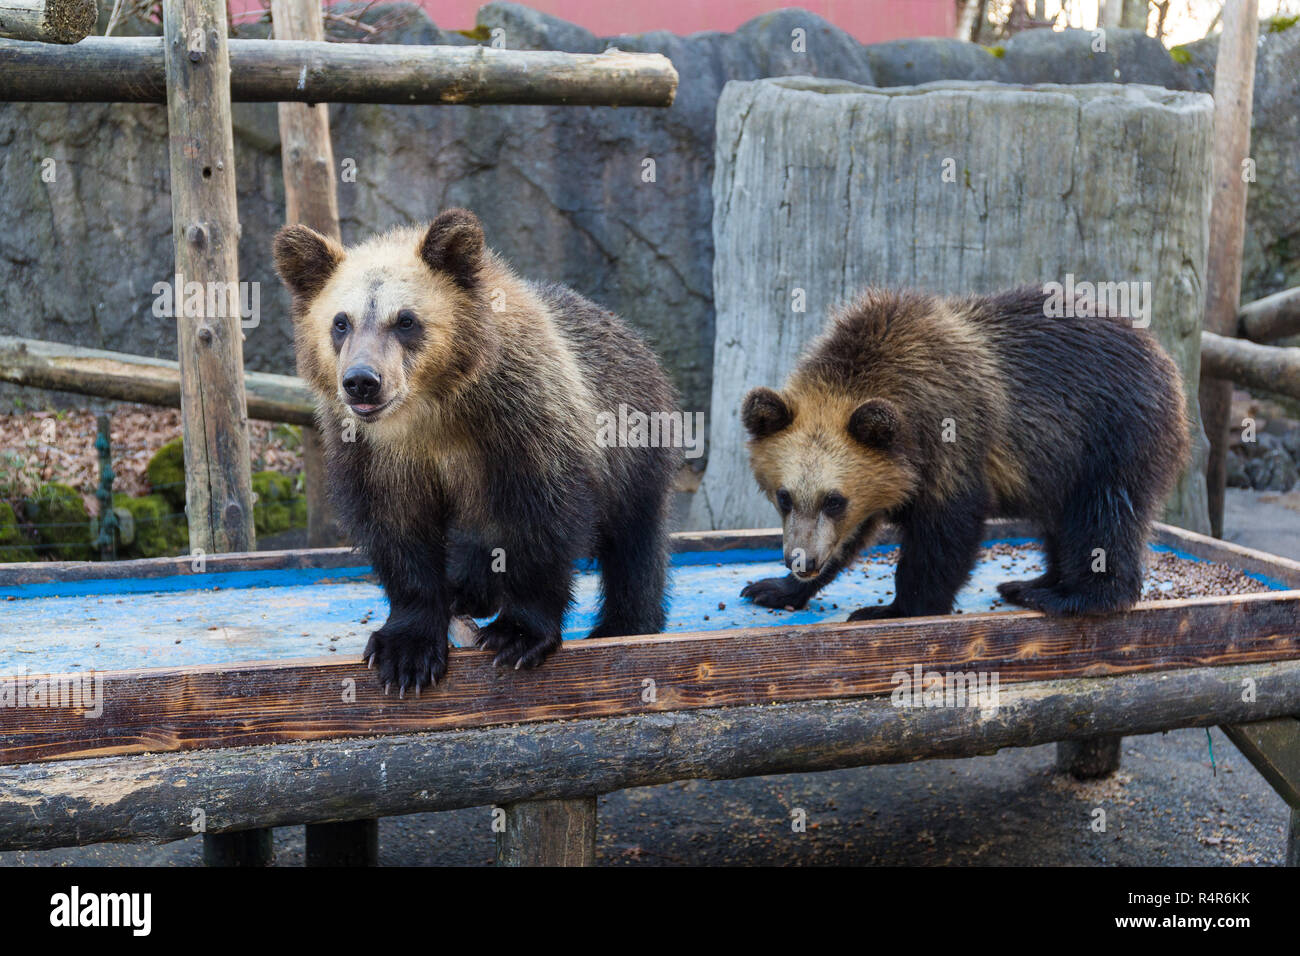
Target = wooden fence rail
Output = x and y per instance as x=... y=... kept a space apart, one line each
x=135 y=378
x=1272 y=317
x=132 y=70
x=1266 y=367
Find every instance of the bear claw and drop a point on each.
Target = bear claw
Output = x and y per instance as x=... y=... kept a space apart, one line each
x=515 y=647
x=405 y=658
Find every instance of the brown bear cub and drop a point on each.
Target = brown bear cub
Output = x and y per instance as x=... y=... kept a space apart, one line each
x=459 y=407
x=935 y=413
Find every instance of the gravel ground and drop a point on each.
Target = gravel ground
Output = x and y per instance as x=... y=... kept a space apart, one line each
x=1166 y=806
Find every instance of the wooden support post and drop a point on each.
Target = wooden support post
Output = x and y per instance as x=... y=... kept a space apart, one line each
x=310 y=198
x=1273 y=747
x=351 y=843
x=549 y=833
x=1234 y=90
x=205 y=229
x=239 y=848
x=49 y=21
x=1089 y=759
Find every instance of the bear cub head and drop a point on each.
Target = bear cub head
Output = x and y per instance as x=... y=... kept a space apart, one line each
x=832 y=465
x=393 y=326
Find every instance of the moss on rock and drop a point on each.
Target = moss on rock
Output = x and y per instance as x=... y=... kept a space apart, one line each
x=271 y=510
x=166 y=471
x=62 y=522
x=160 y=531
x=13 y=546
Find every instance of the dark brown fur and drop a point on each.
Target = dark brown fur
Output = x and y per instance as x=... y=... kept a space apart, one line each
x=474 y=480
x=1076 y=423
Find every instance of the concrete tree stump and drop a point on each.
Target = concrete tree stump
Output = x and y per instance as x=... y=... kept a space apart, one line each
x=823 y=187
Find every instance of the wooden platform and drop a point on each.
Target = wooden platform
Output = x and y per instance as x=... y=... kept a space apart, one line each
x=260 y=653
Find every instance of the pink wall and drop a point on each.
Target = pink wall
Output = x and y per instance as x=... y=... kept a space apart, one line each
x=870 y=21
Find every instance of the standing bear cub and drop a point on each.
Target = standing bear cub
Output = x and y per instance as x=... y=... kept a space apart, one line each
x=935 y=413
x=458 y=406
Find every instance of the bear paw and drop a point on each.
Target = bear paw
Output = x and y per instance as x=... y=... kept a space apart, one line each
x=406 y=657
x=777 y=593
x=516 y=646
x=877 y=613
x=1013 y=592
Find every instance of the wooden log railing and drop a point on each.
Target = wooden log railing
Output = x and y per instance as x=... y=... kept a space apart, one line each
x=149 y=797
x=135 y=378
x=47 y=21
x=132 y=70
x=1271 y=318
x=1268 y=368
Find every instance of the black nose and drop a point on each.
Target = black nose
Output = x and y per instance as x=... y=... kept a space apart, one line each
x=362 y=383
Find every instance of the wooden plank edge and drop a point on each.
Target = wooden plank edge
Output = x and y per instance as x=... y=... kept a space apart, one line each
x=222 y=706
x=153 y=798
x=1225 y=552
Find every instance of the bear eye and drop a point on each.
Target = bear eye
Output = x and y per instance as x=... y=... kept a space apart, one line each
x=406 y=320
x=833 y=505
x=341 y=322
x=784 y=501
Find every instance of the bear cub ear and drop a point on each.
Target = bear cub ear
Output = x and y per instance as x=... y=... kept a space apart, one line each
x=876 y=423
x=454 y=245
x=304 y=259
x=765 y=413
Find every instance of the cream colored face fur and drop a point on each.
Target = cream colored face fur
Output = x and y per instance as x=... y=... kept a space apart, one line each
x=376 y=288
x=812 y=466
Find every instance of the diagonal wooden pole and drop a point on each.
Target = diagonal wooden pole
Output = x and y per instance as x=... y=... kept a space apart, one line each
x=1234 y=90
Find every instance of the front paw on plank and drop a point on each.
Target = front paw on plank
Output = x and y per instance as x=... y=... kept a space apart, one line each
x=406 y=656
x=777 y=593
x=515 y=645
x=878 y=613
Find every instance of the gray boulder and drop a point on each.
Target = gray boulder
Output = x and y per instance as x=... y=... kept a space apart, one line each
x=1068 y=56
x=1268 y=465
x=1237 y=474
